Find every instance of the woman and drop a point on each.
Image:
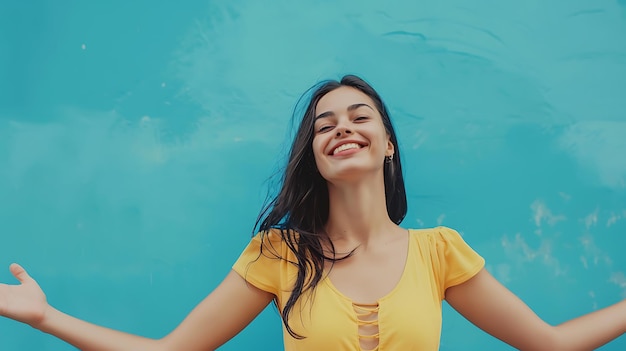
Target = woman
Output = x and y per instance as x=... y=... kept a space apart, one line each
x=332 y=256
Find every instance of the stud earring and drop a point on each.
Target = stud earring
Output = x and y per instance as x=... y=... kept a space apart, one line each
x=389 y=158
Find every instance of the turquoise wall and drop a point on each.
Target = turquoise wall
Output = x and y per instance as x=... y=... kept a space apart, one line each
x=136 y=140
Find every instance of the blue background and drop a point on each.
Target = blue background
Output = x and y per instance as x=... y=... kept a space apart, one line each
x=137 y=139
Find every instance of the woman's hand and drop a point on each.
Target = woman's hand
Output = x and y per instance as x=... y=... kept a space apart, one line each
x=25 y=302
x=221 y=315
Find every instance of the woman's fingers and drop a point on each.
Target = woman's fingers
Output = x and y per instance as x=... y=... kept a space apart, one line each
x=24 y=302
x=19 y=272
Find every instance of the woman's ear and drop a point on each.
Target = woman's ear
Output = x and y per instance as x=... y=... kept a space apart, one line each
x=390 y=148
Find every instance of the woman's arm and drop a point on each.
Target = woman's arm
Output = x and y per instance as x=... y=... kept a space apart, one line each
x=493 y=308
x=219 y=317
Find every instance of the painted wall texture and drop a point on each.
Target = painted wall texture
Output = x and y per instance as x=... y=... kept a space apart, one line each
x=137 y=139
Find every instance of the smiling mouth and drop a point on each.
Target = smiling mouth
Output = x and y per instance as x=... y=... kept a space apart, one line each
x=344 y=147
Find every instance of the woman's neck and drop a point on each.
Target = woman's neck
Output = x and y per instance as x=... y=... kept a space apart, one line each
x=358 y=213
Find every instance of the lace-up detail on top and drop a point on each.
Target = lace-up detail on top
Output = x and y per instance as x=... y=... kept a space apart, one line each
x=367 y=317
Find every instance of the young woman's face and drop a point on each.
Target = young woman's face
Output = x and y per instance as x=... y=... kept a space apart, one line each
x=349 y=136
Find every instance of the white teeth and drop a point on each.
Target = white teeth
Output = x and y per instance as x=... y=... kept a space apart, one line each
x=346 y=147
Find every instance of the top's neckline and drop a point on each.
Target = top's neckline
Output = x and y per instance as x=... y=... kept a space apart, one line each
x=392 y=291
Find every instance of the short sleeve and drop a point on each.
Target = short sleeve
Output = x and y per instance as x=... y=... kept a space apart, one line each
x=260 y=262
x=458 y=262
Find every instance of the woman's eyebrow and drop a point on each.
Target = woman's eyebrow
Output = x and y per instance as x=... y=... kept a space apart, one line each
x=350 y=108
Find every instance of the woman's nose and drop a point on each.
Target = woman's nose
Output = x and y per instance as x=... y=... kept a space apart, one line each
x=341 y=130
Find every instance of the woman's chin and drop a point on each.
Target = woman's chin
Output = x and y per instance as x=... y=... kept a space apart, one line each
x=354 y=173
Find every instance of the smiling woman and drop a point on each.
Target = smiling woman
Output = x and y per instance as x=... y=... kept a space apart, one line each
x=331 y=254
x=346 y=129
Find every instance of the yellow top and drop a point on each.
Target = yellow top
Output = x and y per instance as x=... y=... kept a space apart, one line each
x=408 y=318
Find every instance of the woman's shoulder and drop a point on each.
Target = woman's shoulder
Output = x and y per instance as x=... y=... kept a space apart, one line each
x=439 y=236
x=274 y=241
x=439 y=232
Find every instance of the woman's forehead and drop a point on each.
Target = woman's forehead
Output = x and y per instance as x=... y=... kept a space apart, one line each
x=340 y=99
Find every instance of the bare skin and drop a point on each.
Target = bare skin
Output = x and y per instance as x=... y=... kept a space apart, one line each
x=357 y=219
x=233 y=303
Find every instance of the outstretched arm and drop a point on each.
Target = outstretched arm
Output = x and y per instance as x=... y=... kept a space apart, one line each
x=220 y=316
x=493 y=308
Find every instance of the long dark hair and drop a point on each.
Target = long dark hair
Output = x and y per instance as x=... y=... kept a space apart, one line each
x=300 y=210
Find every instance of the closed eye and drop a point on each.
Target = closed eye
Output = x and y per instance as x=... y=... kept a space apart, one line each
x=323 y=129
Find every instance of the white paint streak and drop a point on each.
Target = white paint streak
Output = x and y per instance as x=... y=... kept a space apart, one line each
x=440 y=219
x=591 y=219
x=541 y=213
